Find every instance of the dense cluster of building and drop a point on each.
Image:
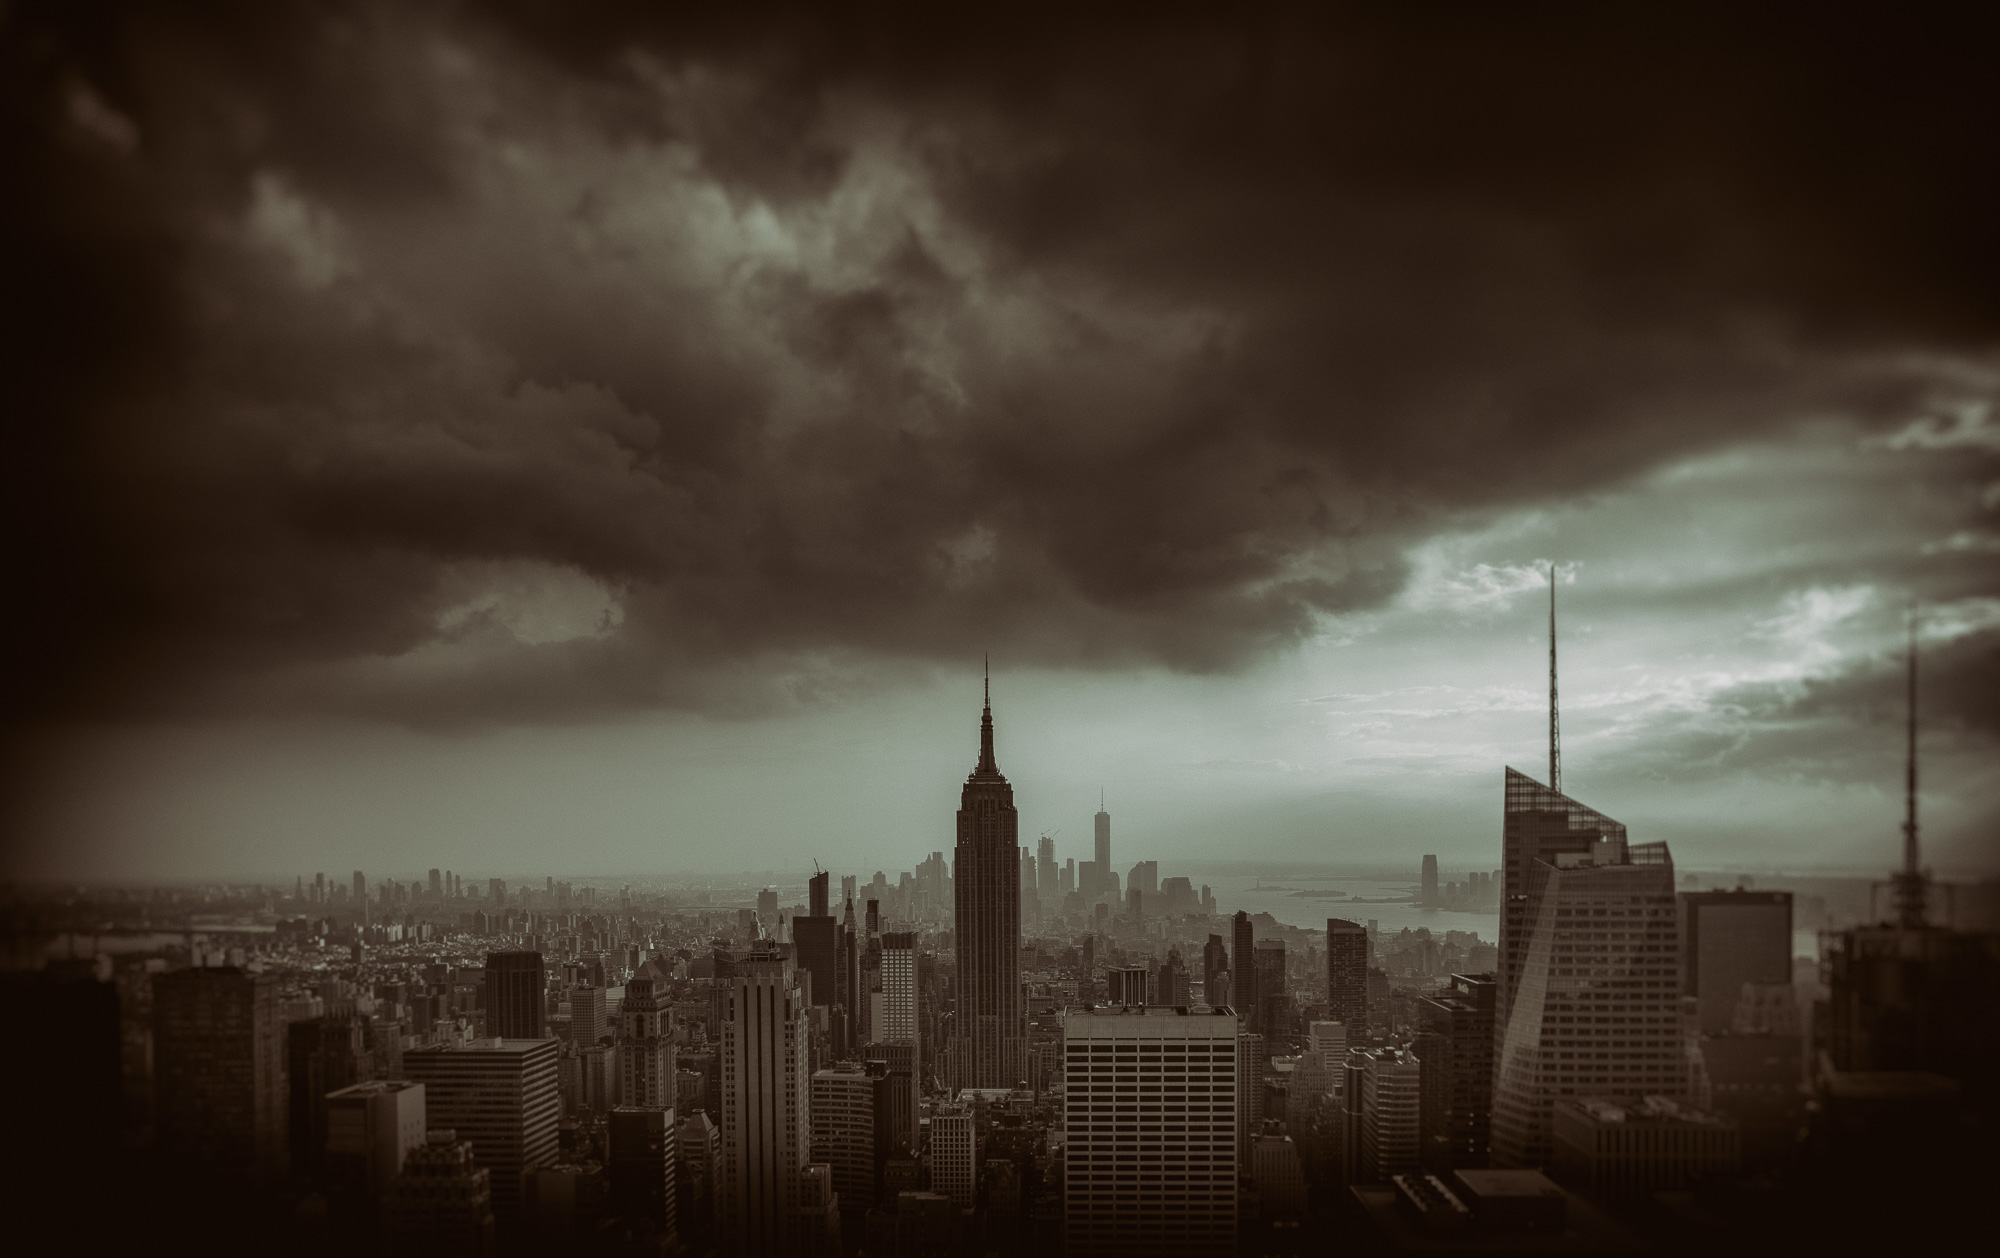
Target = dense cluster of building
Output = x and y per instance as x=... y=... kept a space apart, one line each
x=997 y=1052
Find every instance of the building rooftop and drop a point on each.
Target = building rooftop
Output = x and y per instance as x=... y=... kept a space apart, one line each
x=1656 y=1111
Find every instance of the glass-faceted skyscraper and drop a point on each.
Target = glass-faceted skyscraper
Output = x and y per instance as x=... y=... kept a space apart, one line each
x=1590 y=956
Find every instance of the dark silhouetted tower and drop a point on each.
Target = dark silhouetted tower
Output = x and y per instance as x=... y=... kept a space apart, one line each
x=1243 y=972
x=1102 y=851
x=515 y=1006
x=219 y=1070
x=1215 y=971
x=987 y=923
x=1347 y=974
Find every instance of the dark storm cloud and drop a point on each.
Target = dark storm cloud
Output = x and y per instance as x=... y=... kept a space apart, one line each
x=531 y=359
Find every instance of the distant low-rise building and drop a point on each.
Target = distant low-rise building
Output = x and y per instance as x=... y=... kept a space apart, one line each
x=1660 y=1144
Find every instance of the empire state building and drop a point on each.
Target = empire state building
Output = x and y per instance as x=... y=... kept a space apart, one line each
x=990 y=1040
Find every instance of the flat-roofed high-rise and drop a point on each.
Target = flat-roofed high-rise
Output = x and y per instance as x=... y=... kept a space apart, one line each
x=1730 y=938
x=1346 y=972
x=1150 y=1111
x=500 y=1094
x=218 y=1070
x=516 y=1006
x=766 y=1107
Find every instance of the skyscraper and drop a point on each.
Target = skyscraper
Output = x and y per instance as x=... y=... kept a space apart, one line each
x=955 y=1154
x=588 y=1014
x=645 y=1049
x=1455 y=1045
x=370 y=1129
x=639 y=1142
x=219 y=1070
x=991 y=1029
x=816 y=943
x=322 y=1055
x=1103 y=853
x=515 y=1005
x=1730 y=938
x=850 y=1121
x=816 y=901
x=1125 y=985
x=1243 y=971
x=1170 y=983
x=1429 y=894
x=1595 y=1003
x=1046 y=879
x=442 y=1203
x=1391 y=1092
x=899 y=989
x=1347 y=972
x=1215 y=971
x=1274 y=999
x=500 y=1094
x=1539 y=825
x=1150 y=1107
x=766 y=1107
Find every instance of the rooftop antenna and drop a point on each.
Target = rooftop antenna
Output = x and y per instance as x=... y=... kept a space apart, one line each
x=1909 y=883
x=1555 y=722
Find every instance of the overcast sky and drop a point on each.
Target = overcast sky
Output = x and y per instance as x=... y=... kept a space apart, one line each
x=529 y=438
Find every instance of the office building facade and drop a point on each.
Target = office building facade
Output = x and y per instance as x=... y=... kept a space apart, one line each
x=955 y=1154
x=500 y=1095
x=640 y=1159
x=645 y=1049
x=1390 y=1109
x=1346 y=972
x=1243 y=970
x=1728 y=939
x=1596 y=1007
x=1150 y=1109
x=1455 y=1043
x=766 y=1107
x=516 y=1003
x=219 y=1094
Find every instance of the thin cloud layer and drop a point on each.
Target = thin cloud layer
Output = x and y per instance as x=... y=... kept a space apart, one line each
x=531 y=362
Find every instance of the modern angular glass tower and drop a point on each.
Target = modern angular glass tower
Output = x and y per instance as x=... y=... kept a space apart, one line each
x=990 y=1028
x=1590 y=1000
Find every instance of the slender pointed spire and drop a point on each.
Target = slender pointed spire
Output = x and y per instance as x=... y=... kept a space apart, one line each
x=986 y=762
x=1909 y=883
x=1555 y=722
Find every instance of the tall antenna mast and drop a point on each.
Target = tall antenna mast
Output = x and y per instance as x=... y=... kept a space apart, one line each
x=1555 y=723
x=1910 y=890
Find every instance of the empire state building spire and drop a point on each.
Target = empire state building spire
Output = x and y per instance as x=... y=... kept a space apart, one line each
x=988 y=767
x=989 y=1044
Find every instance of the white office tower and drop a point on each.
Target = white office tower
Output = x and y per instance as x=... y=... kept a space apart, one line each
x=1318 y=1072
x=954 y=1154
x=645 y=1050
x=765 y=1107
x=898 y=1024
x=1391 y=1113
x=1150 y=1107
x=1597 y=1009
